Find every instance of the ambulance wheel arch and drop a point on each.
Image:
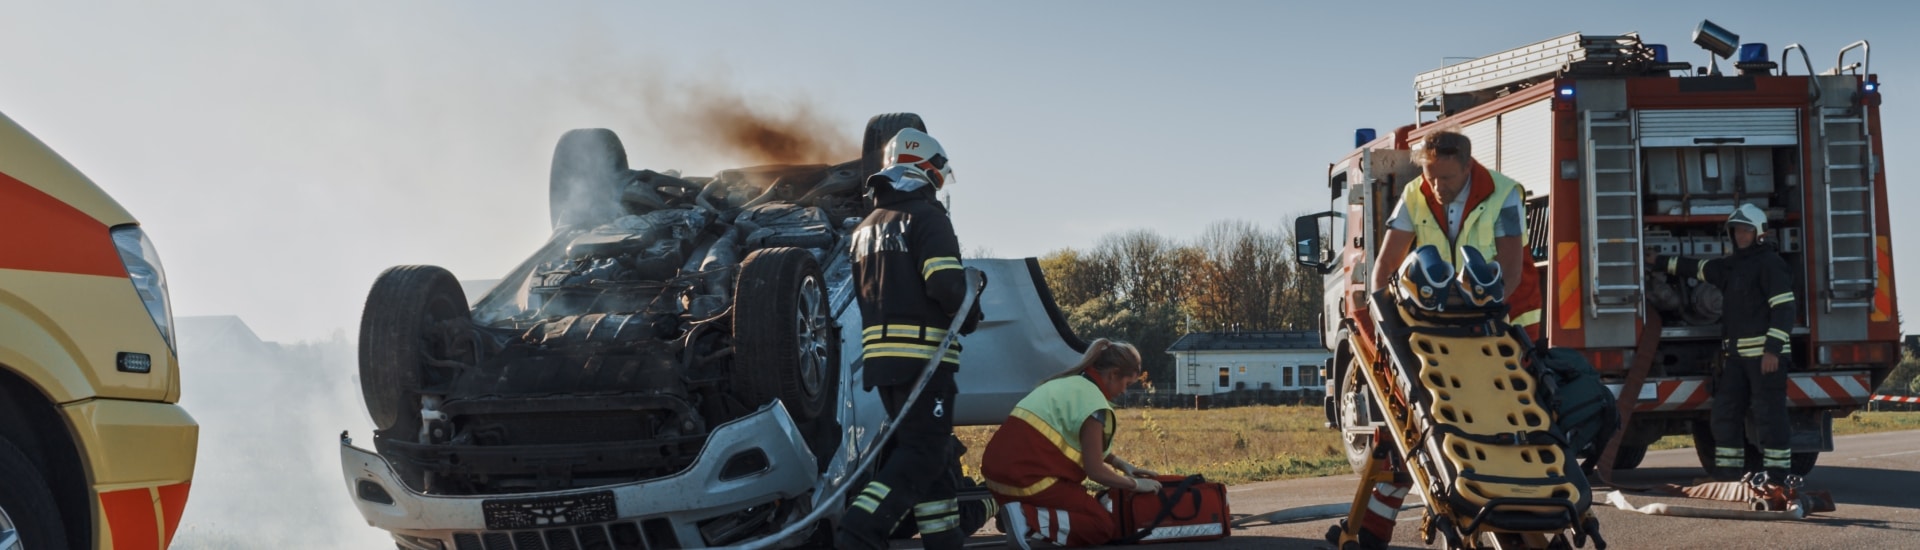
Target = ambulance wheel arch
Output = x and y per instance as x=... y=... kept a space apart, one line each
x=39 y=460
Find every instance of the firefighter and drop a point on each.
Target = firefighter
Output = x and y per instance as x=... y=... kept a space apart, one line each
x=1756 y=286
x=906 y=267
x=1457 y=204
x=1058 y=437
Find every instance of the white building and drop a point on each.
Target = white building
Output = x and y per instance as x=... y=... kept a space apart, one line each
x=1206 y=363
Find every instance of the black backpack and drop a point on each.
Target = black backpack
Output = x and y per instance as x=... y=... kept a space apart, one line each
x=1583 y=410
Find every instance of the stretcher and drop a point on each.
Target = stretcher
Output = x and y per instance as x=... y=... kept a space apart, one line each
x=1464 y=422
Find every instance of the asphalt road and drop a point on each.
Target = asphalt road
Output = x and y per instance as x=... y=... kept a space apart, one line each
x=1874 y=478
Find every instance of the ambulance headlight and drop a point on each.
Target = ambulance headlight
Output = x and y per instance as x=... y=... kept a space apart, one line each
x=149 y=279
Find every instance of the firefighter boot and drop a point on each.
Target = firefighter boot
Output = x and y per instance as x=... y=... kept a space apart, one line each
x=871 y=518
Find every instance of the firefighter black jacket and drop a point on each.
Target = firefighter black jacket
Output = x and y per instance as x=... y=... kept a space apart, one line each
x=1758 y=289
x=906 y=267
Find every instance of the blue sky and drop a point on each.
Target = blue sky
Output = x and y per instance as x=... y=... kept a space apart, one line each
x=282 y=154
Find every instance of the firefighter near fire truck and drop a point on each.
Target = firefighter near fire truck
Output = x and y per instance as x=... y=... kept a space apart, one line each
x=910 y=285
x=1758 y=295
x=1623 y=148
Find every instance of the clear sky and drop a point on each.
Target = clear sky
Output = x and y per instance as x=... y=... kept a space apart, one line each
x=281 y=154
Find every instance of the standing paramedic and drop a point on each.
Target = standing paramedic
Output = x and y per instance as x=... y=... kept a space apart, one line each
x=1758 y=313
x=1057 y=437
x=906 y=267
x=1457 y=203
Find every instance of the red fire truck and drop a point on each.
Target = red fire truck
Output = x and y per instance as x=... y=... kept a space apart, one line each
x=1621 y=150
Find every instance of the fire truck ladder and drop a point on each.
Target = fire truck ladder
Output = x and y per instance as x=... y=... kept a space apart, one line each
x=1848 y=177
x=1573 y=53
x=1613 y=223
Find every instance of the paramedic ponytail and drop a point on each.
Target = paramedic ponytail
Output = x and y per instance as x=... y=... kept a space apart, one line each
x=1104 y=355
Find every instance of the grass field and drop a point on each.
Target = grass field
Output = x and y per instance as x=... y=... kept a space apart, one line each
x=1249 y=444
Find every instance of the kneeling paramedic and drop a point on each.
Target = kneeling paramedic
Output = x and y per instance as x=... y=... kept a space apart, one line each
x=1758 y=313
x=1057 y=437
x=906 y=266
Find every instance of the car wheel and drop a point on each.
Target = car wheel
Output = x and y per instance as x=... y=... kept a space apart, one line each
x=28 y=516
x=583 y=189
x=413 y=313
x=880 y=129
x=785 y=342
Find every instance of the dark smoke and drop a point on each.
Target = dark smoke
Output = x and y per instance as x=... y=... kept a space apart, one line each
x=712 y=119
x=722 y=123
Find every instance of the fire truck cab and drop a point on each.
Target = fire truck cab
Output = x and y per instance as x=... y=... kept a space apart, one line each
x=1623 y=150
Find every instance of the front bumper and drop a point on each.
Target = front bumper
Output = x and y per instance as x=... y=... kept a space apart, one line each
x=666 y=512
x=1818 y=389
x=140 y=455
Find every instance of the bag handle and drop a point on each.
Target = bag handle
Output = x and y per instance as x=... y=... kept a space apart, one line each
x=1168 y=498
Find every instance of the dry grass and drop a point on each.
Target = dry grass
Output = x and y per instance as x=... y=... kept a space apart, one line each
x=1249 y=444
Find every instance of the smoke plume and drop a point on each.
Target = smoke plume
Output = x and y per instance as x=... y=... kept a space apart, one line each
x=715 y=120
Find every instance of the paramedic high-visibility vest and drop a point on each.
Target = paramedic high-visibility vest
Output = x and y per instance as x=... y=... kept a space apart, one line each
x=1487 y=192
x=1038 y=445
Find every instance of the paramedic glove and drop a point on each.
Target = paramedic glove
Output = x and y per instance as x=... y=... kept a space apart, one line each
x=1144 y=485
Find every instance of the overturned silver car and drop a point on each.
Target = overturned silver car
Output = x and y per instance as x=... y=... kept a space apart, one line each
x=676 y=367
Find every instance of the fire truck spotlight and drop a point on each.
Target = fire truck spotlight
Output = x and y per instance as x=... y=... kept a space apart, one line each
x=1566 y=91
x=1569 y=169
x=1715 y=39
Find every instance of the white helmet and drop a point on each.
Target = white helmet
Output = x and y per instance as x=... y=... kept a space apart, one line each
x=914 y=158
x=1750 y=215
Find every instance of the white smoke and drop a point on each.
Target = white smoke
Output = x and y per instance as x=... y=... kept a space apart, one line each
x=270 y=414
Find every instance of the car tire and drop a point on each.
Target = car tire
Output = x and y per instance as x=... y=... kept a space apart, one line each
x=784 y=339
x=881 y=129
x=27 y=510
x=413 y=312
x=583 y=189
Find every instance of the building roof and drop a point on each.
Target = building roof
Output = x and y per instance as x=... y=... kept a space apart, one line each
x=1249 y=341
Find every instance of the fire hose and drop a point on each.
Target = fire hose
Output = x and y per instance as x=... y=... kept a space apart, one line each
x=866 y=457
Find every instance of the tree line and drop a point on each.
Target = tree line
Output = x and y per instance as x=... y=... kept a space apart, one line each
x=1148 y=289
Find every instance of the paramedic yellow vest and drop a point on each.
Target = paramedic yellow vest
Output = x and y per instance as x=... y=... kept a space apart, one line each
x=1477 y=230
x=1058 y=408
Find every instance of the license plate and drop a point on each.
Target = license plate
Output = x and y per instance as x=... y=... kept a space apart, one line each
x=531 y=513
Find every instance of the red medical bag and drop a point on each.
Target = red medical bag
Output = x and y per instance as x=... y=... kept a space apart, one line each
x=1187 y=508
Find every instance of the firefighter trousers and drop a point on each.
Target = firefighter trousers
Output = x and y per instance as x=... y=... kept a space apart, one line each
x=1741 y=389
x=1063 y=514
x=912 y=475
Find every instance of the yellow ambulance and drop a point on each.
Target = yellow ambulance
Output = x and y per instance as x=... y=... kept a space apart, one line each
x=94 y=450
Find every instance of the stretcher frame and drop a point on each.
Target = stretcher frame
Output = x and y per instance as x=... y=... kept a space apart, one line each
x=1466 y=509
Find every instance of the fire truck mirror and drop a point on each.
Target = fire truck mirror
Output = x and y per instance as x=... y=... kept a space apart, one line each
x=1309 y=243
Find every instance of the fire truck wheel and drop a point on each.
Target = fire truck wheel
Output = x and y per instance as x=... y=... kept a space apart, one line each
x=28 y=516
x=1629 y=457
x=785 y=343
x=583 y=189
x=1353 y=396
x=1803 y=462
x=881 y=128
